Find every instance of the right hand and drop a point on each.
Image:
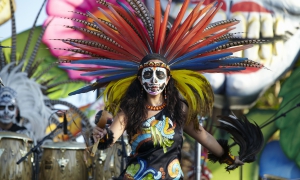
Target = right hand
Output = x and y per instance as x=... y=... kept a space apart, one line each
x=98 y=133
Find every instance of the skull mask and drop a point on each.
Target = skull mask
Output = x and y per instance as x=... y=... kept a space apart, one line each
x=8 y=105
x=154 y=79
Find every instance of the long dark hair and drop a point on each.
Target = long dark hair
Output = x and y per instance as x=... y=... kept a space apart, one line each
x=133 y=103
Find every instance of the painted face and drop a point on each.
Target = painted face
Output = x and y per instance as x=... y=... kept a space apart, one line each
x=8 y=105
x=154 y=79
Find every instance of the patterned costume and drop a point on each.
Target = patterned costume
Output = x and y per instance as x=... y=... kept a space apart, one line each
x=156 y=151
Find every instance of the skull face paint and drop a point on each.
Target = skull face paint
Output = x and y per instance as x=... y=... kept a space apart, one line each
x=8 y=105
x=154 y=79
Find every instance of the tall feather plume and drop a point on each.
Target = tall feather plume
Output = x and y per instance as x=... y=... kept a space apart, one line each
x=2 y=58
x=35 y=49
x=31 y=33
x=14 y=34
x=143 y=13
x=31 y=87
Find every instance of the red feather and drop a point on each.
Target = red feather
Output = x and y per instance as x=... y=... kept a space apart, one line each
x=162 y=32
x=157 y=22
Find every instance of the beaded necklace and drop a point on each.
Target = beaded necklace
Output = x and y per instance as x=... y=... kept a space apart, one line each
x=156 y=108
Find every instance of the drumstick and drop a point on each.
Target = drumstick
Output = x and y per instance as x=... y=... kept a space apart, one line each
x=101 y=123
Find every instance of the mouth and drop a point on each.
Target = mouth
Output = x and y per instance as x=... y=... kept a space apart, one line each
x=154 y=89
x=5 y=117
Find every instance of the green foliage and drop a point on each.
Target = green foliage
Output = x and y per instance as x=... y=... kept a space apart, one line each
x=289 y=125
x=55 y=74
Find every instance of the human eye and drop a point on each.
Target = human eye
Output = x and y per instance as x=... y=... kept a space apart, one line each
x=160 y=74
x=147 y=74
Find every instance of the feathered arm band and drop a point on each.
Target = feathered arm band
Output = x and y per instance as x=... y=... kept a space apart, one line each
x=226 y=158
x=106 y=141
x=247 y=135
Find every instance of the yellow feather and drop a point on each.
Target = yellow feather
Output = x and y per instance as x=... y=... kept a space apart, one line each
x=197 y=91
x=114 y=92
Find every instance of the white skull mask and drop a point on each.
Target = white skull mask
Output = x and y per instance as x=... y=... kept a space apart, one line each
x=8 y=105
x=154 y=79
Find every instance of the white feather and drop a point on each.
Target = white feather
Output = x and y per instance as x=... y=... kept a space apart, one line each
x=30 y=98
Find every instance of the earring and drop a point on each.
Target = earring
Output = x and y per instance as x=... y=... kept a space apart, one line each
x=165 y=93
x=142 y=92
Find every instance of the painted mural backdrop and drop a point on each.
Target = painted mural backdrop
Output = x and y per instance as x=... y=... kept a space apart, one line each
x=276 y=21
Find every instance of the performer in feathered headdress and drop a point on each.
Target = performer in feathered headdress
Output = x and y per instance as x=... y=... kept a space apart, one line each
x=25 y=95
x=151 y=71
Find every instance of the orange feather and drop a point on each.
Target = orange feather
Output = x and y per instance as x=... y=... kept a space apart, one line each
x=157 y=22
x=183 y=45
x=185 y=27
x=101 y=52
x=162 y=32
x=179 y=18
x=209 y=40
x=141 y=30
x=128 y=32
x=115 y=35
x=203 y=24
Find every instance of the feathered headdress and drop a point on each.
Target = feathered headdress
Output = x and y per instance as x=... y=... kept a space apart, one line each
x=192 y=46
x=21 y=74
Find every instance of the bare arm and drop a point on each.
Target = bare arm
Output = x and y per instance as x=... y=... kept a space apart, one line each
x=118 y=126
x=202 y=136
x=205 y=139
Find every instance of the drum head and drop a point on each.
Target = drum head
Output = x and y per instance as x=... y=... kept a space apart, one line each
x=64 y=145
x=13 y=135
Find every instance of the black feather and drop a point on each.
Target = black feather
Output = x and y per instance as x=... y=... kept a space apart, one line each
x=244 y=133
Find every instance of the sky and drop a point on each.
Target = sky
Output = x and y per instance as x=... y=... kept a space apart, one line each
x=25 y=15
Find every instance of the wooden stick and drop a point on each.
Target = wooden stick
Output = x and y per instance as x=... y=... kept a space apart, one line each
x=101 y=123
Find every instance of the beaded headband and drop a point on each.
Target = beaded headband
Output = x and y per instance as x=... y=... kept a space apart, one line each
x=154 y=64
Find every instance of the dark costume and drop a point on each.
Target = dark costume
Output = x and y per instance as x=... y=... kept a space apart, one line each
x=14 y=128
x=156 y=151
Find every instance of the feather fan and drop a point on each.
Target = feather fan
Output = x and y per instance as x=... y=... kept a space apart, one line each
x=247 y=135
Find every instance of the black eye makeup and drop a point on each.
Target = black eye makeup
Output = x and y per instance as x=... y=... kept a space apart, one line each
x=11 y=107
x=147 y=74
x=160 y=75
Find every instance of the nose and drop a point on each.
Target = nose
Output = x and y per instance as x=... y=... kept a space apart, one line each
x=154 y=80
x=6 y=110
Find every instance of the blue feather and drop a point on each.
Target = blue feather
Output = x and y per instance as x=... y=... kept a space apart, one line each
x=106 y=72
x=101 y=81
x=231 y=69
x=116 y=77
x=198 y=67
x=198 y=51
x=83 y=90
x=200 y=60
x=231 y=60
